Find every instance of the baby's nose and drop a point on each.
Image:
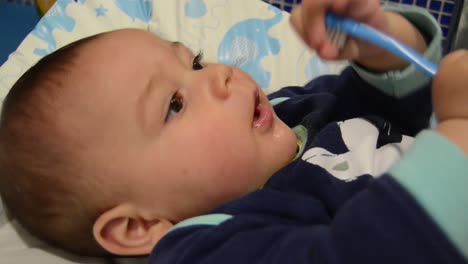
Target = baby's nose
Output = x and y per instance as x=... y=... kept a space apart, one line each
x=218 y=78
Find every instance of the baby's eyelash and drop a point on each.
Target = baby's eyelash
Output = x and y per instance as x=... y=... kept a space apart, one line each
x=197 y=61
x=175 y=106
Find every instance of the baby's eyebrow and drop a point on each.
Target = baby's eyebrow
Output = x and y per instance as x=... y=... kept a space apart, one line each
x=179 y=45
x=176 y=44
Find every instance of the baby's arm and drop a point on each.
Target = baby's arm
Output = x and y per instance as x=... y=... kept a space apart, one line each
x=383 y=61
x=392 y=77
x=308 y=20
x=399 y=96
x=435 y=169
x=413 y=26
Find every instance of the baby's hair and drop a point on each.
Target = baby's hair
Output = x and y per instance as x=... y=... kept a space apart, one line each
x=41 y=178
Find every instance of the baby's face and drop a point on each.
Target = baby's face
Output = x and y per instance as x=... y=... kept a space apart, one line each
x=179 y=138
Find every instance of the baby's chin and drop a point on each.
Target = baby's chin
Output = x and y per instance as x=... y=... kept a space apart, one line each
x=285 y=144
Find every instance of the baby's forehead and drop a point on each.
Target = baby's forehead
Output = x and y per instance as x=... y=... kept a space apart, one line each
x=123 y=48
x=128 y=46
x=118 y=61
x=122 y=63
x=131 y=39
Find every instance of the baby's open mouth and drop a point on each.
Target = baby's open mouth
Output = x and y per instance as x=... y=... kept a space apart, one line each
x=256 y=107
x=262 y=116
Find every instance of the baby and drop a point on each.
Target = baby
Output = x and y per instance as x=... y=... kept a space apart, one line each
x=107 y=147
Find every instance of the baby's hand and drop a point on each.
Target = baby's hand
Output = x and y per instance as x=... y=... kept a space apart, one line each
x=308 y=20
x=450 y=98
x=450 y=87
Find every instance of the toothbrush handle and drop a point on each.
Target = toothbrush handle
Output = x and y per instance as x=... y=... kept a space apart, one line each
x=371 y=35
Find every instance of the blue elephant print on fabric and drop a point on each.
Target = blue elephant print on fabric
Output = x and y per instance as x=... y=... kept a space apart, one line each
x=56 y=18
x=136 y=9
x=247 y=43
x=195 y=8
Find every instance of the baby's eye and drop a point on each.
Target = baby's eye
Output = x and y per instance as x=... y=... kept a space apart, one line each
x=175 y=106
x=197 y=62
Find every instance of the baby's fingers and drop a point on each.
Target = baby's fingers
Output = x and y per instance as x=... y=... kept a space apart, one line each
x=328 y=50
x=310 y=25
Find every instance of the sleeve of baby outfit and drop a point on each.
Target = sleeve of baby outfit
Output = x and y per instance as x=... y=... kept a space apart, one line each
x=402 y=97
x=400 y=83
x=435 y=173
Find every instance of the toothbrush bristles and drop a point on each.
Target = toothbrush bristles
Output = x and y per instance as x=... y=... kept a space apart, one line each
x=337 y=37
x=341 y=39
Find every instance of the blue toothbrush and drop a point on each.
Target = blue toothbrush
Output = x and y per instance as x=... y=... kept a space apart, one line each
x=339 y=27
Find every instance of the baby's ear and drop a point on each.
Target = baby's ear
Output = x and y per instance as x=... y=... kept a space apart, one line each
x=123 y=231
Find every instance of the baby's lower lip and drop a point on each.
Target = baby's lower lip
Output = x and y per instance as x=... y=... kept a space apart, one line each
x=263 y=116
